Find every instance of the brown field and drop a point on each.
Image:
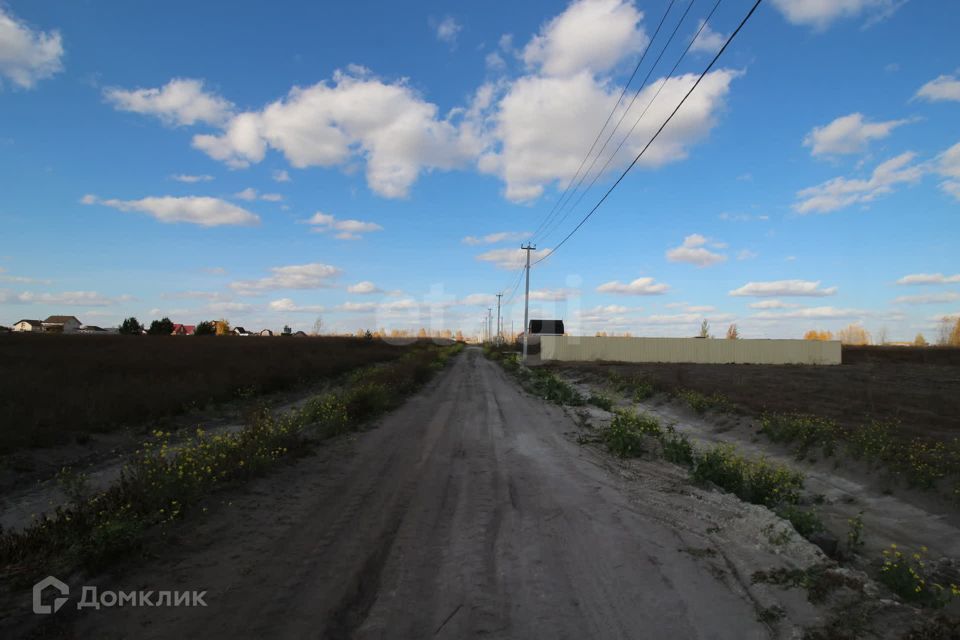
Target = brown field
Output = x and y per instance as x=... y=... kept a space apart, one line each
x=919 y=388
x=55 y=387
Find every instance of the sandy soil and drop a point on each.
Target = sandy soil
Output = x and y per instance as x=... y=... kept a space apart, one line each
x=469 y=511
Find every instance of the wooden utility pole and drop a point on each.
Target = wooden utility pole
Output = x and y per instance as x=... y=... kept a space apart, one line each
x=526 y=299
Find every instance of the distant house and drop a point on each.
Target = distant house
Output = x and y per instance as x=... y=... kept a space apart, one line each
x=34 y=326
x=4 y=329
x=183 y=329
x=300 y=334
x=240 y=331
x=92 y=328
x=266 y=332
x=61 y=324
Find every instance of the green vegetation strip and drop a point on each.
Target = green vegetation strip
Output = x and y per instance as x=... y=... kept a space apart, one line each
x=922 y=463
x=161 y=483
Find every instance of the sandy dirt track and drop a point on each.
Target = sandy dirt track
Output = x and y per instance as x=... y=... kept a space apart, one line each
x=470 y=511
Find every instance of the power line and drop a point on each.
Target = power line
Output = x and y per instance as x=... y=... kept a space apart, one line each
x=612 y=111
x=655 y=135
x=636 y=94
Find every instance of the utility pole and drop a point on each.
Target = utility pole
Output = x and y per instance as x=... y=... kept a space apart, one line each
x=526 y=300
x=499 y=331
x=489 y=324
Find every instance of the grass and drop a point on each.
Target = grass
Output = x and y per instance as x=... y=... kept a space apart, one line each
x=162 y=482
x=102 y=383
x=601 y=400
x=757 y=481
x=635 y=387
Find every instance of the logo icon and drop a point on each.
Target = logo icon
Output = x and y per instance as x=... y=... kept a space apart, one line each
x=40 y=587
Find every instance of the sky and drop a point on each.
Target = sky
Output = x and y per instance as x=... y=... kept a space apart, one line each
x=377 y=164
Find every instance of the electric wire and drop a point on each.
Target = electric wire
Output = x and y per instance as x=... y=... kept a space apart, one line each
x=713 y=61
x=636 y=122
x=609 y=117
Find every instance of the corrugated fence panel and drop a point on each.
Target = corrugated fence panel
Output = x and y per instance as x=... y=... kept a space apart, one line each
x=696 y=350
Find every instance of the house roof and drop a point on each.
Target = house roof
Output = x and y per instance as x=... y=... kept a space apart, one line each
x=61 y=319
x=32 y=323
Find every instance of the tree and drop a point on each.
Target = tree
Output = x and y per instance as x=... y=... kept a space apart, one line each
x=733 y=333
x=422 y=333
x=920 y=341
x=317 y=326
x=131 y=327
x=222 y=327
x=205 y=328
x=813 y=334
x=162 y=327
x=704 y=329
x=854 y=334
x=882 y=336
x=952 y=332
x=459 y=337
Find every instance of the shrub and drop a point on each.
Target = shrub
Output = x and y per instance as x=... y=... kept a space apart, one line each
x=548 y=386
x=642 y=391
x=721 y=466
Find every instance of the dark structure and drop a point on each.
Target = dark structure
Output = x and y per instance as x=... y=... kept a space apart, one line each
x=546 y=327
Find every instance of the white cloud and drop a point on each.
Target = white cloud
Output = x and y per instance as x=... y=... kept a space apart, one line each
x=288 y=305
x=746 y=254
x=554 y=295
x=228 y=307
x=941 y=88
x=929 y=278
x=948 y=165
x=590 y=35
x=494 y=61
x=639 y=287
x=364 y=286
x=742 y=217
x=511 y=258
x=388 y=126
x=816 y=313
x=848 y=134
x=247 y=194
x=692 y=251
x=609 y=309
x=71 y=298
x=929 y=298
x=21 y=279
x=709 y=41
x=447 y=30
x=842 y=192
x=494 y=238
x=299 y=276
x=27 y=55
x=346 y=229
x=180 y=102
x=479 y=300
x=772 y=304
x=282 y=176
x=201 y=210
x=271 y=197
x=819 y=14
x=538 y=126
x=358 y=307
x=693 y=319
x=784 y=288
x=191 y=179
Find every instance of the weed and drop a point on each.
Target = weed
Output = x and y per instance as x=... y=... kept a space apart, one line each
x=677 y=447
x=602 y=401
x=777 y=537
x=806 y=430
x=770 y=615
x=906 y=575
x=701 y=402
x=819 y=581
x=855 y=533
x=550 y=387
x=757 y=481
x=805 y=522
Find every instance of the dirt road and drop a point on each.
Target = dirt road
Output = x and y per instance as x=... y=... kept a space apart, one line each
x=470 y=511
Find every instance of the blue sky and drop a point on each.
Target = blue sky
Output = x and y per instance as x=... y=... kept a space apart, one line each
x=379 y=164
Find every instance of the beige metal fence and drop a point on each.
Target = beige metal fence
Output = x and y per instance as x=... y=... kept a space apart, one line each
x=700 y=350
